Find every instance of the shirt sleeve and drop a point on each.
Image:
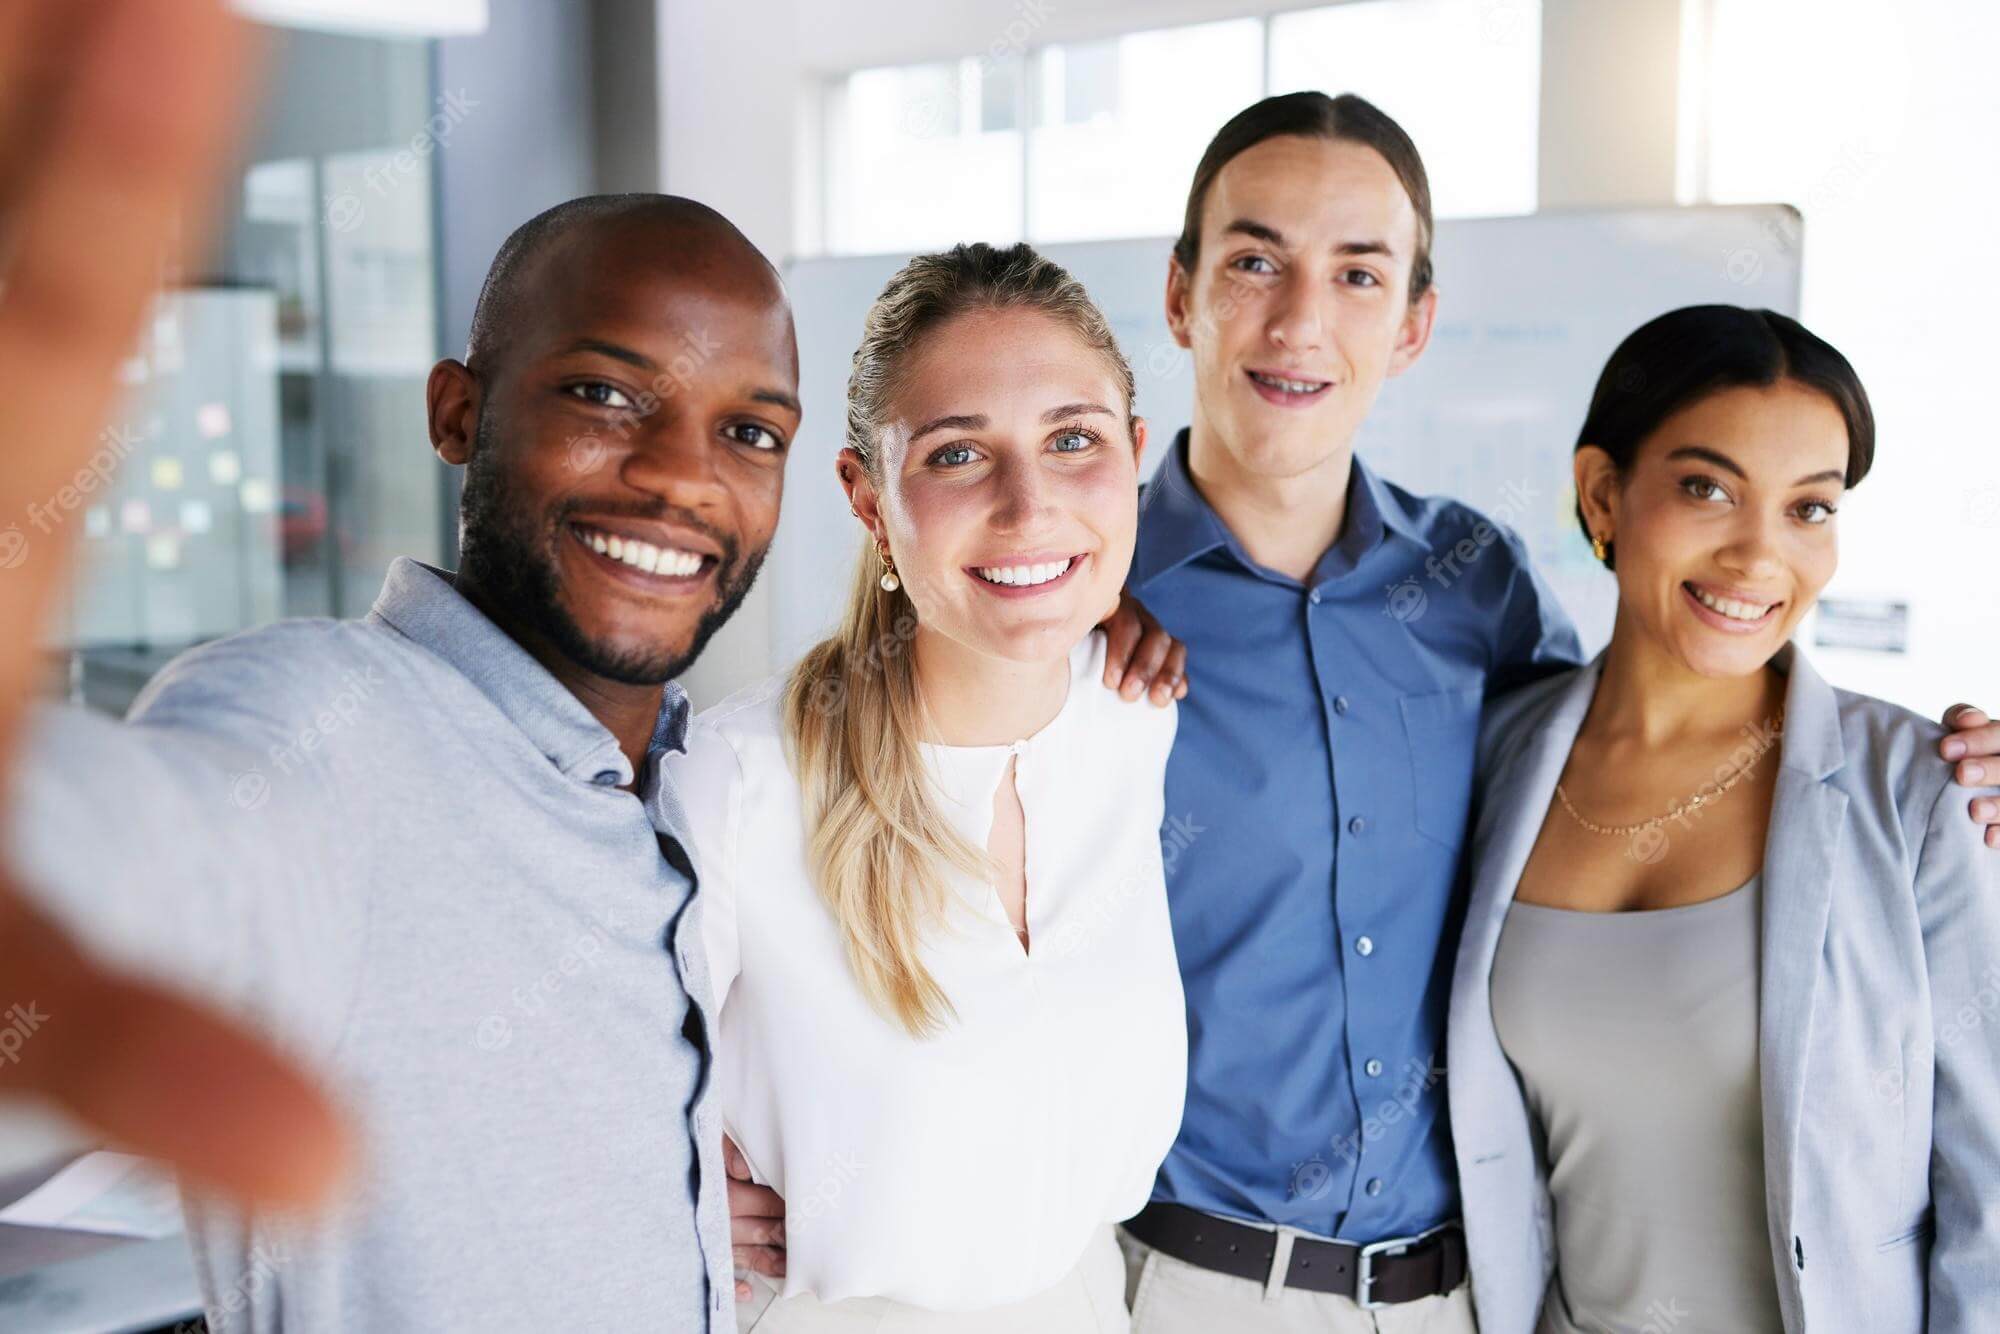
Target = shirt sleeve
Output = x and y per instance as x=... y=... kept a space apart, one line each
x=708 y=778
x=205 y=842
x=1536 y=637
x=1958 y=903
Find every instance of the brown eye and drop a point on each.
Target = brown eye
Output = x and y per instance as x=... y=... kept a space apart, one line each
x=599 y=394
x=755 y=436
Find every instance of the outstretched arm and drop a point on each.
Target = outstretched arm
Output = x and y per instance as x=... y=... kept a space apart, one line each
x=112 y=123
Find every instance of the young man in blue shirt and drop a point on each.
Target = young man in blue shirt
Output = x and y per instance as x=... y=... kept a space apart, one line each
x=1344 y=634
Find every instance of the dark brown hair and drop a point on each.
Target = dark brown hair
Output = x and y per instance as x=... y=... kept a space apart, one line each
x=1346 y=118
x=1679 y=358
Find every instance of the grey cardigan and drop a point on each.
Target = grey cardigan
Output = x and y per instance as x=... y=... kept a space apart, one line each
x=1879 y=1021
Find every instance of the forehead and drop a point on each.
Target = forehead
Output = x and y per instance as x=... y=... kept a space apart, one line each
x=989 y=361
x=1752 y=421
x=1321 y=190
x=660 y=293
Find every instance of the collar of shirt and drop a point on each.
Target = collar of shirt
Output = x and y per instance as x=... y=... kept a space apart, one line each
x=420 y=602
x=967 y=777
x=1177 y=525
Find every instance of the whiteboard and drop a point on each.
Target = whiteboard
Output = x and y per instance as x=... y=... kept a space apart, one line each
x=1529 y=309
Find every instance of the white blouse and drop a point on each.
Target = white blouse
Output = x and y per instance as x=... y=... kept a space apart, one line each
x=970 y=1169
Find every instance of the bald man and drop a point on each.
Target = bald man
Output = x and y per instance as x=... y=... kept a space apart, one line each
x=432 y=851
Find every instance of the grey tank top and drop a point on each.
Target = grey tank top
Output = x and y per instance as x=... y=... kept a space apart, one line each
x=1635 y=1038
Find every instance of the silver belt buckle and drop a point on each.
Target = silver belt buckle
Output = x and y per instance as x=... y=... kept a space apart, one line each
x=1364 y=1278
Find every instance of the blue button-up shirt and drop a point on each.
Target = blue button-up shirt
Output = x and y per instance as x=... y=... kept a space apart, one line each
x=1317 y=799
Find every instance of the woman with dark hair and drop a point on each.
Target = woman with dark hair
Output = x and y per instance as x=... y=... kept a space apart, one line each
x=1714 y=1036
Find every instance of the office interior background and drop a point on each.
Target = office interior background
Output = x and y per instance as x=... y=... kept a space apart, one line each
x=272 y=452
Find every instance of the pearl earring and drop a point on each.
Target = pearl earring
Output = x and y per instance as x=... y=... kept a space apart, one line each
x=890 y=583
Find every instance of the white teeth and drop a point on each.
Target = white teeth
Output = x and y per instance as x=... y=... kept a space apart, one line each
x=1023 y=575
x=1289 y=386
x=643 y=555
x=1730 y=607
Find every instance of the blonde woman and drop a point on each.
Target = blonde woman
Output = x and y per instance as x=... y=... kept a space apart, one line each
x=952 y=1030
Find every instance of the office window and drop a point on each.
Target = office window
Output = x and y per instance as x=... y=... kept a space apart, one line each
x=1876 y=122
x=266 y=462
x=1092 y=140
x=1121 y=124
x=1462 y=76
x=925 y=155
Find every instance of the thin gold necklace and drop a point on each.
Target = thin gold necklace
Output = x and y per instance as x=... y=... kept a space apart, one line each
x=1680 y=808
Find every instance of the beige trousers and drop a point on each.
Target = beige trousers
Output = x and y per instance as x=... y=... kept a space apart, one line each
x=1091 y=1300
x=1170 y=1296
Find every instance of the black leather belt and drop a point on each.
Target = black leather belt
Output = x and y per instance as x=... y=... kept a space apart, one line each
x=1381 y=1273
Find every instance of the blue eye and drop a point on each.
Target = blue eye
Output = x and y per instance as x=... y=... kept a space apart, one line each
x=1083 y=440
x=741 y=432
x=952 y=456
x=599 y=394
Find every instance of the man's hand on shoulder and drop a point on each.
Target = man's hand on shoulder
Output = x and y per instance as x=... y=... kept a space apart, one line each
x=1140 y=656
x=1973 y=744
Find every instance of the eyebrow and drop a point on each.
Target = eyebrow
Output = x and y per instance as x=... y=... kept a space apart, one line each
x=1263 y=231
x=616 y=351
x=959 y=422
x=619 y=352
x=1721 y=460
x=1054 y=415
x=974 y=421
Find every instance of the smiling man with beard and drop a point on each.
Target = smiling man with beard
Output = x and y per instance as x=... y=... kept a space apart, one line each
x=433 y=851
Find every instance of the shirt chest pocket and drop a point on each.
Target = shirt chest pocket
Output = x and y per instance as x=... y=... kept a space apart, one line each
x=1443 y=734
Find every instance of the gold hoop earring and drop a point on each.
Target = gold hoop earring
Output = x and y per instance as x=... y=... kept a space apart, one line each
x=890 y=583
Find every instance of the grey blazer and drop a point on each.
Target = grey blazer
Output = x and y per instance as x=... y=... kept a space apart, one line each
x=1879 y=1021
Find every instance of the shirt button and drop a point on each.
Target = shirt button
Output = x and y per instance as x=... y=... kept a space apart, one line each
x=1313 y=597
x=606 y=778
x=1374 y=1068
x=1356 y=825
x=1374 y=1185
x=1340 y=704
x=1364 y=946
